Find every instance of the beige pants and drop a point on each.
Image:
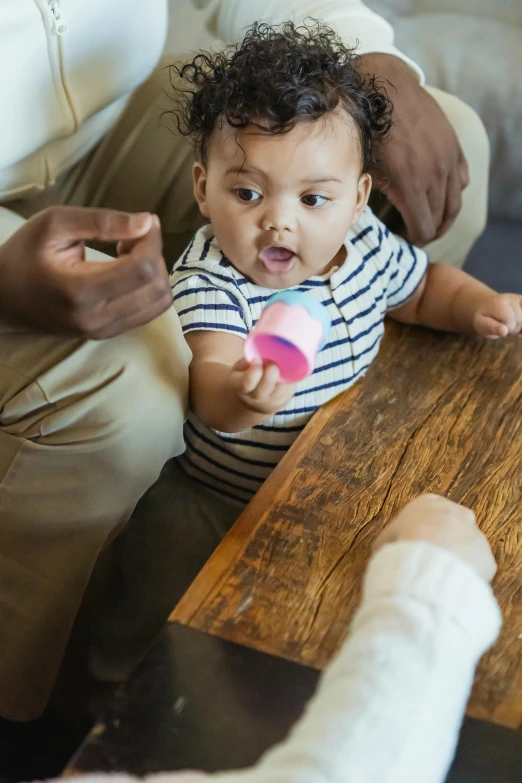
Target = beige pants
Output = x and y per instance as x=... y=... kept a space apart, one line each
x=85 y=427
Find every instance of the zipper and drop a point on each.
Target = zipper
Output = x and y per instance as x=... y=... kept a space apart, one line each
x=60 y=25
x=59 y=29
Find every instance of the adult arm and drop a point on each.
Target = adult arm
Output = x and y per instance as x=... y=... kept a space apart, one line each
x=389 y=707
x=352 y=19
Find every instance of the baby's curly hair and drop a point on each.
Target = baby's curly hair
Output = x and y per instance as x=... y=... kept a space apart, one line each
x=277 y=77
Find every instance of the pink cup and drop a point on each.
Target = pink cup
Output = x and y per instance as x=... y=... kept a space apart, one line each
x=288 y=336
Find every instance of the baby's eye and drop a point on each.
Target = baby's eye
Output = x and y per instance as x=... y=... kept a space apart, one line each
x=245 y=194
x=314 y=200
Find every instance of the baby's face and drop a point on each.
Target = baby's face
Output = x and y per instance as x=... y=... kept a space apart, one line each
x=281 y=206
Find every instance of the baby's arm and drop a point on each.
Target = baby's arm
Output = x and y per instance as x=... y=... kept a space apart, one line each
x=451 y=300
x=228 y=393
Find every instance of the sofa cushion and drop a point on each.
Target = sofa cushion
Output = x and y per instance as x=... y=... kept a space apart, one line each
x=473 y=49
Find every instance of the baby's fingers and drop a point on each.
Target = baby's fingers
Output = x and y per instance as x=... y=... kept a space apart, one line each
x=268 y=382
x=487 y=326
x=499 y=316
x=247 y=375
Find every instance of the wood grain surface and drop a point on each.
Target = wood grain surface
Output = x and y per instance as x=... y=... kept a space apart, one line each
x=436 y=413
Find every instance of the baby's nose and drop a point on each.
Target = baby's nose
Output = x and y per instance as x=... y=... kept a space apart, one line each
x=278 y=218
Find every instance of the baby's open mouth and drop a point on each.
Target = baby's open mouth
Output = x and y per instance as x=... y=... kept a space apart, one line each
x=277 y=260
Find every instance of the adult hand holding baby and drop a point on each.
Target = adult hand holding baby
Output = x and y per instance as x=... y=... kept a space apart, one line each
x=421 y=166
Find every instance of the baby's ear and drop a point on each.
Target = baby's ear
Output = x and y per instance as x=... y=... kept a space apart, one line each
x=363 y=194
x=199 y=179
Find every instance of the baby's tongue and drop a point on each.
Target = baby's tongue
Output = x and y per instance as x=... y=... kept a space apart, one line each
x=277 y=260
x=277 y=253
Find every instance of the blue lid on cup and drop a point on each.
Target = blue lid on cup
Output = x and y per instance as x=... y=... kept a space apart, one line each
x=299 y=298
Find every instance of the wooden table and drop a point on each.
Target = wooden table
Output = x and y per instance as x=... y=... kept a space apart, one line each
x=435 y=413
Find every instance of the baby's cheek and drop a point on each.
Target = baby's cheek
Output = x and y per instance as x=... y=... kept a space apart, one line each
x=325 y=250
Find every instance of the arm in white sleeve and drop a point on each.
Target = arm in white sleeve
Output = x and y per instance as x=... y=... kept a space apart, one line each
x=353 y=21
x=389 y=707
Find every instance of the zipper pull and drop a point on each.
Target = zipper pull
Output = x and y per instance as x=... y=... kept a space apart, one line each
x=60 y=25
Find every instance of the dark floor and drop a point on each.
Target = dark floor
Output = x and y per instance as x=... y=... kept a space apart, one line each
x=198 y=701
x=41 y=749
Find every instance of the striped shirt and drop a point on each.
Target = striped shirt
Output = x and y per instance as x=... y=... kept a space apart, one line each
x=380 y=273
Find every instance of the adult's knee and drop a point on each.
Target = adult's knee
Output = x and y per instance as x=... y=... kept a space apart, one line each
x=98 y=420
x=141 y=410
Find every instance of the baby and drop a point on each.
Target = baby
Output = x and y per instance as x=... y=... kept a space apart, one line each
x=285 y=129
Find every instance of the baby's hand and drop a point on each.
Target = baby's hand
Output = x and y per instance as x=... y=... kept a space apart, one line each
x=258 y=386
x=499 y=315
x=447 y=524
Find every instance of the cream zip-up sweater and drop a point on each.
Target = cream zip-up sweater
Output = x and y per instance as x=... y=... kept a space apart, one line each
x=389 y=706
x=69 y=66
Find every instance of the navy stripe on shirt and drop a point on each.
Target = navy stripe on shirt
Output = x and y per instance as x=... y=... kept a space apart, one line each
x=220 y=479
x=219 y=447
x=220 y=466
x=361 y=235
x=206 y=484
x=212 y=326
x=233 y=308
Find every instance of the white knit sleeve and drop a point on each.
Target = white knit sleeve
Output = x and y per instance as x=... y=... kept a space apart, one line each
x=389 y=707
x=352 y=19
